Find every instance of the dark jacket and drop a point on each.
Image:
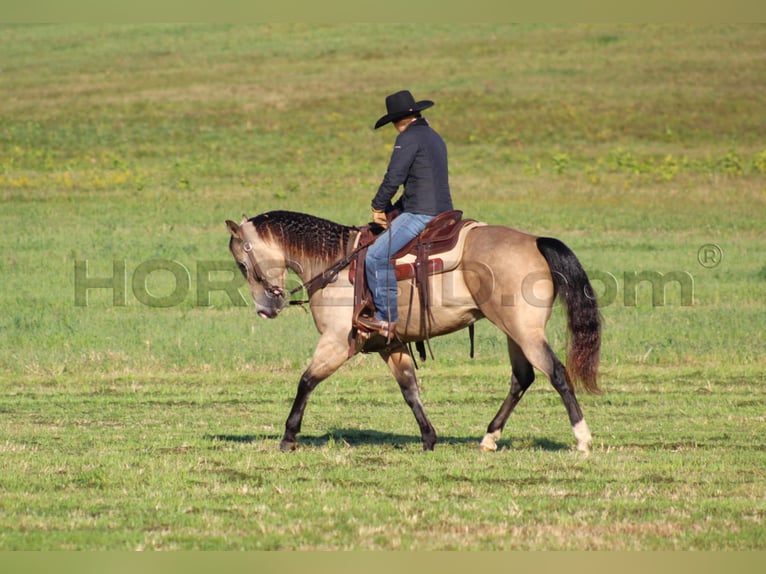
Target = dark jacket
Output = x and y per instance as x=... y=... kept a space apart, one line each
x=419 y=162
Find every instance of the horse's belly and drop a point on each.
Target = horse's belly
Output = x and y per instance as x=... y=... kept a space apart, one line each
x=452 y=307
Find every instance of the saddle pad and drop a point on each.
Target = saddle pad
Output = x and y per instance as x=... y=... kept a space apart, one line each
x=441 y=263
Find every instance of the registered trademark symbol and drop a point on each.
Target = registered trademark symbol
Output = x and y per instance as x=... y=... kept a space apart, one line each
x=710 y=255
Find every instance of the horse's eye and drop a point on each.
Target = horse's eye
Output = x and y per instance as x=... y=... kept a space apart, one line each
x=242 y=269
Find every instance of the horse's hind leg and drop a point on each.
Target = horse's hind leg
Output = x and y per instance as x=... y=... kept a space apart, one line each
x=562 y=385
x=403 y=368
x=543 y=358
x=523 y=376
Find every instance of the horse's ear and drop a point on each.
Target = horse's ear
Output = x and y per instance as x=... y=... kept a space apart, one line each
x=245 y=219
x=233 y=228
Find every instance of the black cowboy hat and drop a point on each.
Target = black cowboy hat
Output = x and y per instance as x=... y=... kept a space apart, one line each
x=400 y=105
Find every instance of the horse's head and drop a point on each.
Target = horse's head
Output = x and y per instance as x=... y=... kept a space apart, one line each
x=263 y=266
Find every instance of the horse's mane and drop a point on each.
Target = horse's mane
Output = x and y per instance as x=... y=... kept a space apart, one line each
x=305 y=235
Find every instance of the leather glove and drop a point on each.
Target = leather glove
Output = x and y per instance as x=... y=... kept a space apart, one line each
x=379 y=217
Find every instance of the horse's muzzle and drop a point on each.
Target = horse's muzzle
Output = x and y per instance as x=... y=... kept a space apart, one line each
x=267 y=312
x=270 y=302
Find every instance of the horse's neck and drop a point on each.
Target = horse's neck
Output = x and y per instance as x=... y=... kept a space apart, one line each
x=306 y=267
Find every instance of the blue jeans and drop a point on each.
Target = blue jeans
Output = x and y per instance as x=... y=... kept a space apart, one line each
x=380 y=271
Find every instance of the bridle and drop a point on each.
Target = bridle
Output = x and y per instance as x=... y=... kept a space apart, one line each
x=271 y=289
x=316 y=283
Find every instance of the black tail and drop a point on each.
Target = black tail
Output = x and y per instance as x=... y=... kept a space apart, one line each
x=583 y=317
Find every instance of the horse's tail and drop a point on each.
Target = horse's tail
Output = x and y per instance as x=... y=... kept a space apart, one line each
x=583 y=317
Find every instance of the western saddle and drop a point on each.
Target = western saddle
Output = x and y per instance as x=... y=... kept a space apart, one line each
x=416 y=261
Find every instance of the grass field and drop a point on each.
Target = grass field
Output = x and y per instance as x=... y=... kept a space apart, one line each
x=126 y=425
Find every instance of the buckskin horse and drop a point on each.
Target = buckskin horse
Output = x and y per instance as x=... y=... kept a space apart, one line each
x=505 y=275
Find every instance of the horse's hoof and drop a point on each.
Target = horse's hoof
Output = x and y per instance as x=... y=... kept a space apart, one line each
x=584 y=449
x=583 y=436
x=489 y=442
x=288 y=446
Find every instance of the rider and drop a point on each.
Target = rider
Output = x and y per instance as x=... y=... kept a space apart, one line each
x=419 y=163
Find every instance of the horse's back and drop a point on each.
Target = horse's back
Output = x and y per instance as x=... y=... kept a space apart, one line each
x=504 y=245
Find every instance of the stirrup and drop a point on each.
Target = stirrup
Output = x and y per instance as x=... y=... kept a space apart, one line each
x=385 y=328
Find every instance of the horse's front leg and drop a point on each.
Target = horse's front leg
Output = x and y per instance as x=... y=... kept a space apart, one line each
x=330 y=354
x=399 y=361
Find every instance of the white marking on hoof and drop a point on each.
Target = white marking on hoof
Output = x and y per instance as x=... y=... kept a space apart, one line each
x=582 y=434
x=489 y=442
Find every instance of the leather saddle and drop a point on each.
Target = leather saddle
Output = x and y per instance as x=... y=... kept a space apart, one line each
x=439 y=236
x=423 y=256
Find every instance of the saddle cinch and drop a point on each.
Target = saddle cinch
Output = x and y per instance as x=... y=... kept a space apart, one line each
x=437 y=249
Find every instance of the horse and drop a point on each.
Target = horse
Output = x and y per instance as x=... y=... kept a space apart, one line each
x=505 y=275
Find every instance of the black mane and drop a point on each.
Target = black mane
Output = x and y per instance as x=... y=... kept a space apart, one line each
x=303 y=234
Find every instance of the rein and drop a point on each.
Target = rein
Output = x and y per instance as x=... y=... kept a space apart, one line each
x=324 y=278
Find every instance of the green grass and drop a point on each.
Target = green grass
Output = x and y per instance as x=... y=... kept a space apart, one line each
x=172 y=463
x=130 y=426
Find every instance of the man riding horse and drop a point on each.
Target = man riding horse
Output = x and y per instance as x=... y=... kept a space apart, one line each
x=518 y=298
